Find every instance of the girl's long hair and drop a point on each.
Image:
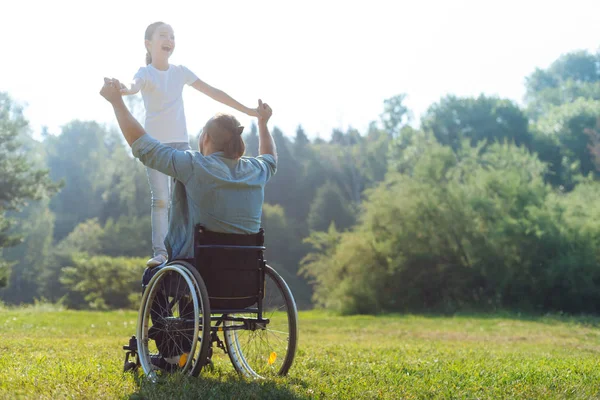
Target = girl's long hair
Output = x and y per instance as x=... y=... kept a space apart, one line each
x=148 y=36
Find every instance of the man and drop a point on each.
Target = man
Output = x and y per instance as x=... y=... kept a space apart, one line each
x=215 y=187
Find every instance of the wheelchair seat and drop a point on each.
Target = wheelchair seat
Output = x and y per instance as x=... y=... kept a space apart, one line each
x=232 y=267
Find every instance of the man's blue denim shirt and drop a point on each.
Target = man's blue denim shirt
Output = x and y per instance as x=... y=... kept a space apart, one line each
x=222 y=194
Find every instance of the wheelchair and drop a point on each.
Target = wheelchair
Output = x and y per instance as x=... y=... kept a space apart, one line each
x=226 y=297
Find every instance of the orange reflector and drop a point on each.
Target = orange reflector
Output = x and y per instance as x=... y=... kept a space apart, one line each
x=183 y=360
x=272 y=358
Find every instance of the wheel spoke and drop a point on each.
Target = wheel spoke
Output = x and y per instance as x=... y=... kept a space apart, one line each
x=269 y=351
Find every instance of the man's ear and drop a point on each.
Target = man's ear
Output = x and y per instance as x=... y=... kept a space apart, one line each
x=202 y=142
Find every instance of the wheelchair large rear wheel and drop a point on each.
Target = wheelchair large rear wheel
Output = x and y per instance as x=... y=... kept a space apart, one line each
x=174 y=323
x=268 y=349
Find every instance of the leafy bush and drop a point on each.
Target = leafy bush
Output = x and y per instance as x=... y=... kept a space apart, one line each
x=462 y=230
x=104 y=282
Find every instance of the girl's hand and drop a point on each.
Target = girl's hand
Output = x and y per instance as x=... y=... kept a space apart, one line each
x=253 y=112
x=125 y=91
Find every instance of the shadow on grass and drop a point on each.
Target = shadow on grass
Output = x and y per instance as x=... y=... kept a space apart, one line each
x=217 y=386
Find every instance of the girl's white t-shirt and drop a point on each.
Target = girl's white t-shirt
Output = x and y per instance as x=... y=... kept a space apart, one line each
x=162 y=94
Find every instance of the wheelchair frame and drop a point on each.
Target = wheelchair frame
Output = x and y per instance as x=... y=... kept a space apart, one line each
x=225 y=320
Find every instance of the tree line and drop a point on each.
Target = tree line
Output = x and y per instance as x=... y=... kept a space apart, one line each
x=487 y=204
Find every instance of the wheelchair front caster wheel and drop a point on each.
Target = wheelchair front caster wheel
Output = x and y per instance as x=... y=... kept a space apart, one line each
x=129 y=366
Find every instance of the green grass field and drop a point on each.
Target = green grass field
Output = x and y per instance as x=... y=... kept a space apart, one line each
x=46 y=353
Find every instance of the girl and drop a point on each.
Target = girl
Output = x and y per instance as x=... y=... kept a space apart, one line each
x=162 y=84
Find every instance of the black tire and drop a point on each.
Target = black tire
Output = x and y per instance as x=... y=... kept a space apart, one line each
x=205 y=335
x=173 y=333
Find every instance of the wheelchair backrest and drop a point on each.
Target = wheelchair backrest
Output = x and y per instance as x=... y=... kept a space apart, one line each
x=231 y=267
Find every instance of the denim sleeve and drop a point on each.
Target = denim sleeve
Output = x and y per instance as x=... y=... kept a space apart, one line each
x=268 y=164
x=165 y=159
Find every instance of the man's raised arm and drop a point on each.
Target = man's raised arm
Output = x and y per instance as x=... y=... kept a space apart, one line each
x=266 y=144
x=150 y=152
x=132 y=130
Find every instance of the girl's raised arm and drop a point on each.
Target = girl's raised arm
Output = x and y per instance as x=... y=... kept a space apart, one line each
x=222 y=97
x=133 y=88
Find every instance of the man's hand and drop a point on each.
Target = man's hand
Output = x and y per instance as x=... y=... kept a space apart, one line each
x=266 y=144
x=111 y=90
x=132 y=130
x=264 y=112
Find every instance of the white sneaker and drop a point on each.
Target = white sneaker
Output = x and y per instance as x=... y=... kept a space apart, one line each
x=156 y=261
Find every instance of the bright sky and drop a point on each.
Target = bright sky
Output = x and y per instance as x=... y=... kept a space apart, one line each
x=321 y=63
